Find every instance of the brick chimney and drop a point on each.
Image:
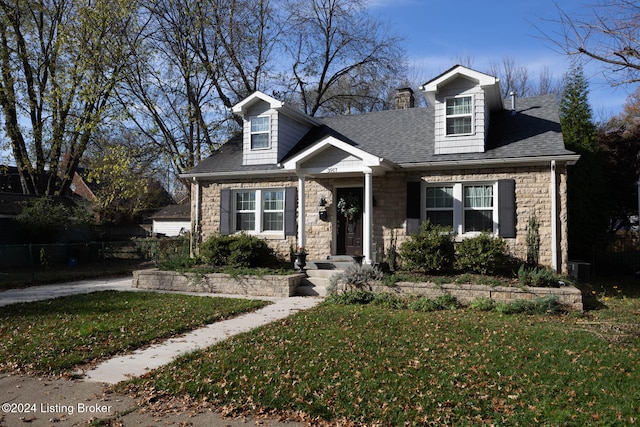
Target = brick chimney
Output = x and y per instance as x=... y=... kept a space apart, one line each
x=404 y=99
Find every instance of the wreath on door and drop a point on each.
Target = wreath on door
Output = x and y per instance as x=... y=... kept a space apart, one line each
x=349 y=206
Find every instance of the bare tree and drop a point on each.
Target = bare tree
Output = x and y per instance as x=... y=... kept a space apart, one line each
x=607 y=32
x=341 y=55
x=59 y=62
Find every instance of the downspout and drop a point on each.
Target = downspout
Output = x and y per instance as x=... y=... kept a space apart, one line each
x=554 y=218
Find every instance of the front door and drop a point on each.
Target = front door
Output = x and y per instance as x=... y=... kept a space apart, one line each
x=349 y=203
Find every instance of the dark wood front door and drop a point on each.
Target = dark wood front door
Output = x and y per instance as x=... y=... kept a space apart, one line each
x=349 y=230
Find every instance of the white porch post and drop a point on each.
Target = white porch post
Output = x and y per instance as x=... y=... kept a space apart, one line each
x=301 y=212
x=367 y=218
x=554 y=217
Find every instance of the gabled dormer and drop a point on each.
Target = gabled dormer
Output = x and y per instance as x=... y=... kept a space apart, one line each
x=270 y=128
x=463 y=100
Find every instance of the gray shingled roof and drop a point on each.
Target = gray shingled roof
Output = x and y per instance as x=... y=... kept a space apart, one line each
x=406 y=137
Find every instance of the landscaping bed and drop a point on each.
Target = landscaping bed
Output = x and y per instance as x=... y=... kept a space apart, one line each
x=568 y=296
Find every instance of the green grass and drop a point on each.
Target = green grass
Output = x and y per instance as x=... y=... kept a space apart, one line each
x=54 y=336
x=373 y=365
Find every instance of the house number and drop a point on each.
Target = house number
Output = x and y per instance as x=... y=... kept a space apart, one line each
x=332 y=170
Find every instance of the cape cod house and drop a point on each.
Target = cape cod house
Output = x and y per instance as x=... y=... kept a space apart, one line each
x=359 y=184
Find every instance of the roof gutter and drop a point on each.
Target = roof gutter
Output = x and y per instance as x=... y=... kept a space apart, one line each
x=236 y=174
x=570 y=159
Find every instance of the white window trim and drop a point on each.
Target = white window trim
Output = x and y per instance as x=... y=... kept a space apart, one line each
x=268 y=132
x=259 y=211
x=453 y=116
x=458 y=205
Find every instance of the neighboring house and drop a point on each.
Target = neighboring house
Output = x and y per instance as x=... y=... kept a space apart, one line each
x=172 y=220
x=470 y=160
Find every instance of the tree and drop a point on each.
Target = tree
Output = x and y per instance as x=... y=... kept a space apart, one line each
x=586 y=197
x=607 y=32
x=341 y=56
x=619 y=142
x=122 y=175
x=519 y=80
x=59 y=63
x=45 y=218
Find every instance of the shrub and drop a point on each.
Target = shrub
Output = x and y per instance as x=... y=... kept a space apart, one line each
x=352 y=296
x=539 y=277
x=239 y=250
x=386 y=300
x=483 y=254
x=355 y=276
x=431 y=249
x=482 y=304
x=443 y=302
x=545 y=305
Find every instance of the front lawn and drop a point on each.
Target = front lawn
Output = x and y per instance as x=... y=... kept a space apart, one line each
x=53 y=336
x=372 y=365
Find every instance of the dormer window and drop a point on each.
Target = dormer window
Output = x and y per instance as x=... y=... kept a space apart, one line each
x=259 y=132
x=459 y=115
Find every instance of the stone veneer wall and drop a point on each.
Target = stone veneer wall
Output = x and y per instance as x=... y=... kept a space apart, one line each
x=217 y=283
x=568 y=296
x=533 y=195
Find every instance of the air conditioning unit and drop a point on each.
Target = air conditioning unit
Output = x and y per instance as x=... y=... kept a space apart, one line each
x=580 y=271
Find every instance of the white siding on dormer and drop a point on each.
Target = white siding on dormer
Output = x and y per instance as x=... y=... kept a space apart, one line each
x=263 y=155
x=452 y=144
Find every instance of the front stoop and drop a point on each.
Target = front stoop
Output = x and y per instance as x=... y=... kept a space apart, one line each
x=316 y=283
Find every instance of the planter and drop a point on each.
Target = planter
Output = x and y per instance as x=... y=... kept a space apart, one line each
x=301 y=261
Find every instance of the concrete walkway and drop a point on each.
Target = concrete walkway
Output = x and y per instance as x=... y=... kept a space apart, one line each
x=141 y=361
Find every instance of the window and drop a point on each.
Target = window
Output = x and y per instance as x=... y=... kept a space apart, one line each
x=259 y=132
x=259 y=210
x=478 y=208
x=440 y=205
x=459 y=114
x=466 y=208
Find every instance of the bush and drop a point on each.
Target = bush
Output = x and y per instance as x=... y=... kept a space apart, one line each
x=546 y=305
x=482 y=304
x=355 y=276
x=239 y=250
x=352 y=296
x=386 y=300
x=443 y=302
x=483 y=254
x=431 y=249
x=539 y=277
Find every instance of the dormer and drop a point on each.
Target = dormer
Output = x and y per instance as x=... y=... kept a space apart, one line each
x=270 y=128
x=463 y=100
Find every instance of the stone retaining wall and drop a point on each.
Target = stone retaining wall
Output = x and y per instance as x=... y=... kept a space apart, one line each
x=217 y=283
x=465 y=293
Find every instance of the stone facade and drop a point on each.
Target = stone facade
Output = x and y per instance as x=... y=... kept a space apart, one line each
x=533 y=196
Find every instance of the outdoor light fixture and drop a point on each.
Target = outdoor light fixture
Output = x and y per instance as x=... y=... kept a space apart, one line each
x=322 y=214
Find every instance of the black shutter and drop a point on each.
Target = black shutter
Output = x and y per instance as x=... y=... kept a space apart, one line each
x=290 y=205
x=225 y=211
x=507 y=208
x=413 y=207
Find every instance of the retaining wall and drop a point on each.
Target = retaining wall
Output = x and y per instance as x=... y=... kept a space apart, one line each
x=465 y=293
x=218 y=283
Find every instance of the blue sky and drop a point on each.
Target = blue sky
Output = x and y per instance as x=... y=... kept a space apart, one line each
x=438 y=33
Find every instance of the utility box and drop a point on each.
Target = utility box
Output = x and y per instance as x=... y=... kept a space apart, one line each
x=580 y=271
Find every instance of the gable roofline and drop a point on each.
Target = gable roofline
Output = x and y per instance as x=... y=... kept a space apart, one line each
x=490 y=84
x=368 y=160
x=241 y=107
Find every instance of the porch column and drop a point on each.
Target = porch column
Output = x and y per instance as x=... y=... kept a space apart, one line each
x=367 y=218
x=301 y=212
x=554 y=217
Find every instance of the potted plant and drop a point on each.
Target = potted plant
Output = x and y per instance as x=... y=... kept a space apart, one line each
x=300 y=258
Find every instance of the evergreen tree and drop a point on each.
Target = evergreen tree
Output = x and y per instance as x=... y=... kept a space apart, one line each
x=586 y=190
